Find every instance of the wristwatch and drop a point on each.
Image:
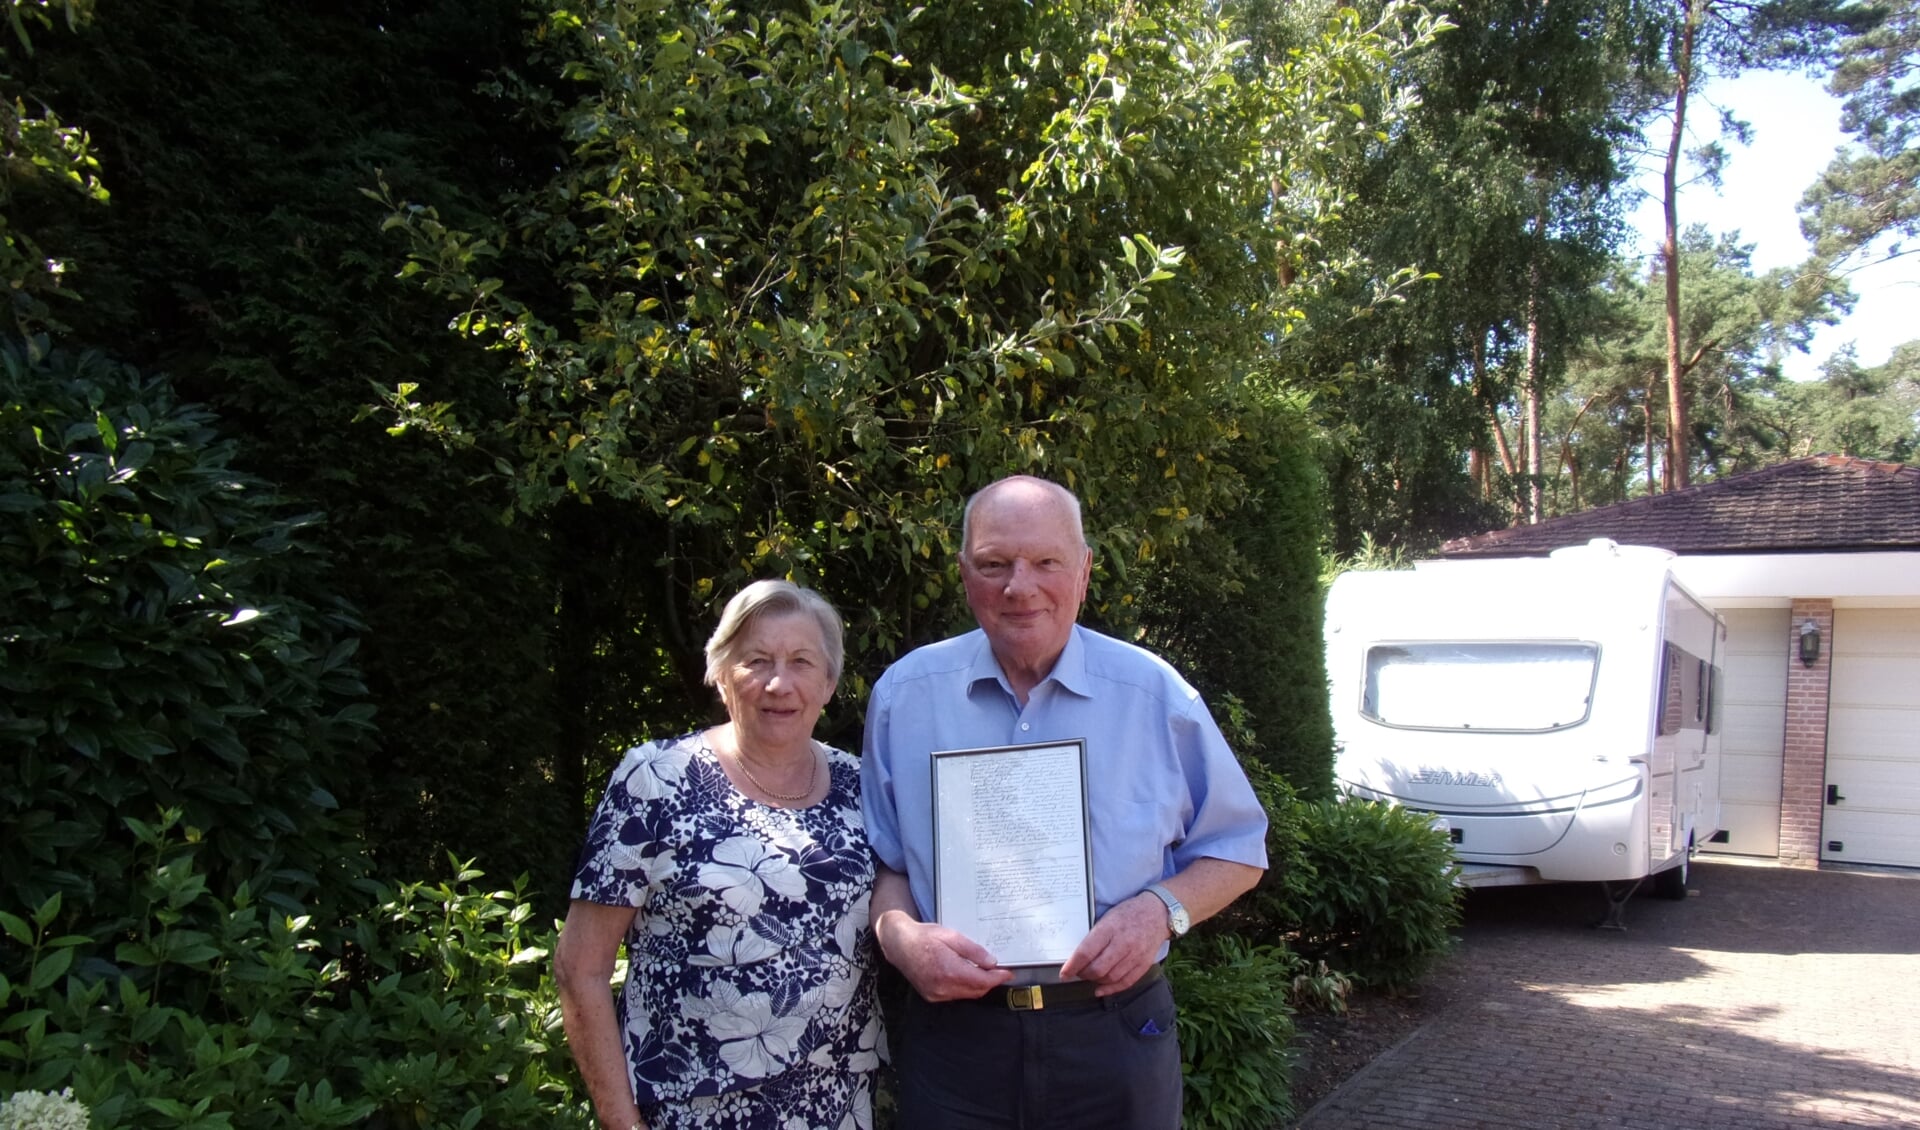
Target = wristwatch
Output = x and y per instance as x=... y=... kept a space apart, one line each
x=1177 y=919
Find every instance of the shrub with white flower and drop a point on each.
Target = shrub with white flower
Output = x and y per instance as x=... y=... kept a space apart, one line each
x=37 y=1110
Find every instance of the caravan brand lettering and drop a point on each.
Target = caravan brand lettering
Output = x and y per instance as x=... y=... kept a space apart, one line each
x=1454 y=777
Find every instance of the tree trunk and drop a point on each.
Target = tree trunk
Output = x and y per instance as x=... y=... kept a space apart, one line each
x=1653 y=450
x=1536 y=503
x=573 y=674
x=1567 y=461
x=1674 y=474
x=1493 y=420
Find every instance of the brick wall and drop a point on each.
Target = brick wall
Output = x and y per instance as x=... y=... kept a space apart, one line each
x=1803 y=775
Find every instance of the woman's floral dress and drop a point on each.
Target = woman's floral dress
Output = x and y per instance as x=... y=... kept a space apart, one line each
x=749 y=996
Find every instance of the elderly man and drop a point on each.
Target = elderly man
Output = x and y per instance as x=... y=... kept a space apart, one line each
x=1176 y=832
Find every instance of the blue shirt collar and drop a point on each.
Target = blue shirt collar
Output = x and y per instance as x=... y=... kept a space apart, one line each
x=1070 y=670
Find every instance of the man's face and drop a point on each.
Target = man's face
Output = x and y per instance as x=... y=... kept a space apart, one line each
x=1026 y=570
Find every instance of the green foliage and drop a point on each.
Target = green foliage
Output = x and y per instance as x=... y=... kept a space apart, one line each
x=169 y=643
x=1362 y=894
x=793 y=285
x=1235 y=1027
x=239 y=256
x=38 y=153
x=1866 y=203
x=1271 y=909
x=171 y=648
x=1496 y=195
x=1873 y=413
x=1374 y=896
x=1604 y=425
x=809 y=276
x=1322 y=988
x=434 y=1008
x=1238 y=608
x=1368 y=555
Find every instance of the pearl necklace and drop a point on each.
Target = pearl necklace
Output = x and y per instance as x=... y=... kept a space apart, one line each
x=813 y=775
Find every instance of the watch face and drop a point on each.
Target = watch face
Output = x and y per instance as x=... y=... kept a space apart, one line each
x=1179 y=921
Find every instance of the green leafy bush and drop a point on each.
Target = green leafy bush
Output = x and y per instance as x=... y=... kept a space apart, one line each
x=169 y=644
x=171 y=648
x=1319 y=988
x=1238 y=607
x=1373 y=895
x=435 y=1009
x=1235 y=1027
x=1269 y=911
x=1354 y=895
x=238 y=257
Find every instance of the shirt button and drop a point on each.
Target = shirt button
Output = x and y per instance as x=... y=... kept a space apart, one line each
x=1026 y=726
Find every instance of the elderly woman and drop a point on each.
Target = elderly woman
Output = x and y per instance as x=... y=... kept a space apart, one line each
x=733 y=864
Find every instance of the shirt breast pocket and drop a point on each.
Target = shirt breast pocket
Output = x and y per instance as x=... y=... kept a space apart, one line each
x=1130 y=842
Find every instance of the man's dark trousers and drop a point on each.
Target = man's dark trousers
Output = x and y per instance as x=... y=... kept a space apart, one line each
x=1106 y=1064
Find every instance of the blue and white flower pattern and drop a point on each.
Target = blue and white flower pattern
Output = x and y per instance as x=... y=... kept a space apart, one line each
x=750 y=964
x=745 y=869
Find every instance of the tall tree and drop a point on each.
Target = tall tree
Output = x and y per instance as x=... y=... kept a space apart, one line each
x=1866 y=203
x=1736 y=328
x=1873 y=412
x=1693 y=14
x=1709 y=38
x=1498 y=191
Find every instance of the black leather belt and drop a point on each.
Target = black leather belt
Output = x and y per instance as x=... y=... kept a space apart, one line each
x=1060 y=994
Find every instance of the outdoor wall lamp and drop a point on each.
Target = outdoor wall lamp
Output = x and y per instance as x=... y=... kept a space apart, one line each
x=1809 y=643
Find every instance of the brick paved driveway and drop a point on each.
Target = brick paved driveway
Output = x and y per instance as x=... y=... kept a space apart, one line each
x=1772 y=998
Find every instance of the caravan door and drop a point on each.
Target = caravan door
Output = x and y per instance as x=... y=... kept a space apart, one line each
x=1684 y=770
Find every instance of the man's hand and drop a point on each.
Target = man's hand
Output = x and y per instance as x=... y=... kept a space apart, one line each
x=942 y=964
x=1121 y=947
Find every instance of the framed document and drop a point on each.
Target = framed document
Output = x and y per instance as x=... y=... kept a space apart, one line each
x=1012 y=856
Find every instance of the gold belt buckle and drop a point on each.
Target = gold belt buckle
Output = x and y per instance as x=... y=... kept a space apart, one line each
x=1025 y=998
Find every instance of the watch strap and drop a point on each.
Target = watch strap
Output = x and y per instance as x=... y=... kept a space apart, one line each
x=1177 y=919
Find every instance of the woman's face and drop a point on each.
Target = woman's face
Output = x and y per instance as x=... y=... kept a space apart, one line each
x=776 y=683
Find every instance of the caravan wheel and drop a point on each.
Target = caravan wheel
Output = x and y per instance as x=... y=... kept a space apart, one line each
x=1672 y=883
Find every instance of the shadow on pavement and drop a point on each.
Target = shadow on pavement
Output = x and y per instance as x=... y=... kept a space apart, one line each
x=1772 y=998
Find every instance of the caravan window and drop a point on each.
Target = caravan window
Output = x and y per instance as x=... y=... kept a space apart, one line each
x=1481 y=685
x=1685 y=690
x=1713 y=699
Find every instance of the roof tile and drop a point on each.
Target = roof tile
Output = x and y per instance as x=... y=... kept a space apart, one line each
x=1820 y=504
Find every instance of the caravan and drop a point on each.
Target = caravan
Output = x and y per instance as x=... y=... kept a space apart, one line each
x=1558 y=716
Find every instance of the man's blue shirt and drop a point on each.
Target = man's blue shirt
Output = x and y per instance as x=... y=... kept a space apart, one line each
x=1163 y=789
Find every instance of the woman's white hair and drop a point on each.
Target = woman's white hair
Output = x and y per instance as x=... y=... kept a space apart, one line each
x=772 y=598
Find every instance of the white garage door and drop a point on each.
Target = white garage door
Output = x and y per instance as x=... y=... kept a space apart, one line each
x=1873 y=738
x=1753 y=727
